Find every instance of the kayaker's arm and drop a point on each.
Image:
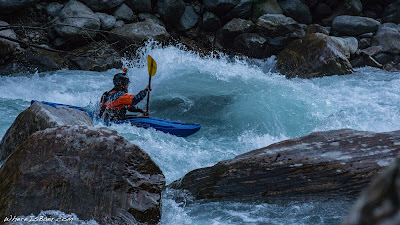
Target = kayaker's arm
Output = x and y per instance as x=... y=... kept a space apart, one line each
x=140 y=96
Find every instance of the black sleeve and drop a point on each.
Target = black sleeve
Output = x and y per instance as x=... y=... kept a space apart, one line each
x=139 y=97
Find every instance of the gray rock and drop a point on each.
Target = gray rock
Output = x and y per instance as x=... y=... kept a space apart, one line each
x=384 y=58
x=379 y=203
x=236 y=27
x=10 y=6
x=7 y=47
x=220 y=7
x=119 y=23
x=322 y=11
x=211 y=22
x=353 y=7
x=189 y=19
x=348 y=45
x=315 y=55
x=274 y=25
x=367 y=35
x=39 y=117
x=296 y=10
x=139 y=6
x=392 y=13
x=54 y=8
x=137 y=33
x=265 y=7
x=363 y=60
x=372 y=51
x=242 y=10
x=388 y=36
x=102 y=5
x=107 y=21
x=353 y=25
x=330 y=163
x=364 y=43
x=77 y=28
x=124 y=13
x=147 y=16
x=92 y=172
x=316 y=28
x=171 y=11
x=251 y=44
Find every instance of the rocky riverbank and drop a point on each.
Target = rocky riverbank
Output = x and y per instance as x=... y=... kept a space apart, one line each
x=41 y=35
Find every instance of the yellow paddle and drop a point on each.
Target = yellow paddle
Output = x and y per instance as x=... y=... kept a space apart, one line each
x=152 y=67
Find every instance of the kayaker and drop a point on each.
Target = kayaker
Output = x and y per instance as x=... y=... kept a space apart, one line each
x=115 y=103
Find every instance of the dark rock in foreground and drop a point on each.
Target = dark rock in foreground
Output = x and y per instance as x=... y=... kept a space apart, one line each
x=315 y=55
x=39 y=117
x=92 y=172
x=332 y=163
x=379 y=204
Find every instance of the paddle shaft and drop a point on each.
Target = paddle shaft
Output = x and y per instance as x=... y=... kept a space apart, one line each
x=148 y=96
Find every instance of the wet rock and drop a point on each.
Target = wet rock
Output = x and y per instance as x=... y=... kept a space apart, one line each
x=371 y=51
x=379 y=203
x=39 y=117
x=124 y=13
x=101 y=5
x=265 y=7
x=137 y=33
x=388 y=36
x=353 y=25
x=92 y=172
x=392 y=13
x=331 y=163
x=171 y=11
x=236 y=27
x=139 y=6
x=296 y=10
x=242 y=10
x=107 y=21
x=210 y=22
x=275 y=25
x=348 y=45
x=7 y=47
x=10 y=6
x=189 y=19
x=362 y=60
x=54 y=8
x=74 y=28
x=220 y=7
x=384 y=58
x=316 y=28
x=315 y=55
x=251 y=44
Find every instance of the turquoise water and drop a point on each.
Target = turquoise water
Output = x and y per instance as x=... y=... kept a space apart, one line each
x=241 y=104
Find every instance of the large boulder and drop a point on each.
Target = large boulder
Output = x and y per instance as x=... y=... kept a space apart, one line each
x=353 y=7
x=91 y=172
x=76 y=22
x=189 y=19
x=54 y=8
x=124 y=13
x=139 y=6
x=392 y=13
x=39 y=117
x=242 y=10
x=263 y=7
x=251 y=44
x=236 y=27
x=379 y=203
x=275 y=25
x=353 y=25
x=10 y=6
x=7 y=47
x=137 y=33
x=348 y=45
x=331 y=163
x=107 y=21
x=220 y=7
x=101 y=5
x=171 y=11
x=388 y=36
x=296 y=10
x=210 y=22
x=315 y=55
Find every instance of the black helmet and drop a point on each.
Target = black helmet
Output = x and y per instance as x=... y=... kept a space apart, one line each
x=120 y=80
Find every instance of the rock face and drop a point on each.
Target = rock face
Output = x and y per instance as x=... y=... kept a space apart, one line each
x=92 y=172
x=331 y=163
x=315 y=55
x=354 y=25
x=379 y=204
x=77 y=21
x=39 y=117
x=388 y=36
x=140 y=32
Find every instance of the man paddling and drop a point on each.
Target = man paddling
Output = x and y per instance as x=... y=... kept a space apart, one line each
x=115 y=103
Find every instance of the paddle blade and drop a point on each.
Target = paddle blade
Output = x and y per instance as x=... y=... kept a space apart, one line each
x=151 y=65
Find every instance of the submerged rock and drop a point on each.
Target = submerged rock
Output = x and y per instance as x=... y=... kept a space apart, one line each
x=315 y=55
x=92 y=172
x=330 y=163
x=380 y=203
x=39 y=117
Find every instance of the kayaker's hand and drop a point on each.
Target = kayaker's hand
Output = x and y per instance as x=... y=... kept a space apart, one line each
x=145 y=112
x=148 y=88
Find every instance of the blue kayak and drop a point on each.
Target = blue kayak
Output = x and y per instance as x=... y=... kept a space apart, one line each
x=170 y=127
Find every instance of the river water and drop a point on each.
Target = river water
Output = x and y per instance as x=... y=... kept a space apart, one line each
x=242 y=104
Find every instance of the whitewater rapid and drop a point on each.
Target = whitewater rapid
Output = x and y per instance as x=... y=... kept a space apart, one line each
x=242 y=104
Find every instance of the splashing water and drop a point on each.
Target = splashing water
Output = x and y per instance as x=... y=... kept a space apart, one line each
x=240 y=103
